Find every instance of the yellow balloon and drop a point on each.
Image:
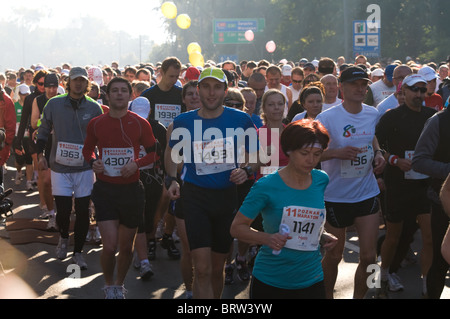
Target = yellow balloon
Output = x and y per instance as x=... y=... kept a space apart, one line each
x=194 y=47
x=169 y=10
x=196 y=59
x=184 y=21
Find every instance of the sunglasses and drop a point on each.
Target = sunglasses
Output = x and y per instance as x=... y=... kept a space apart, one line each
x=234 y=105
x=298 y=82
x=416 y=89
x=40 y=83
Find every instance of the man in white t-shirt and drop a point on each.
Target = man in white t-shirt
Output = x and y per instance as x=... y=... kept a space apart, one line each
x=352 y=159
x=391 y=102
x=380 y=90
x=330 y=82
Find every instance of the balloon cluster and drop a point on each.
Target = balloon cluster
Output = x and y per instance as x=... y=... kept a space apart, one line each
x=170 y=11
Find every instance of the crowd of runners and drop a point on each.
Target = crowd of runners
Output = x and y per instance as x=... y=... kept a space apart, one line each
x=281 y=157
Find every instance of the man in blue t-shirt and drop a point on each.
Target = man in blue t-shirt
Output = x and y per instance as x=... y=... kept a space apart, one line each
x=216 y=143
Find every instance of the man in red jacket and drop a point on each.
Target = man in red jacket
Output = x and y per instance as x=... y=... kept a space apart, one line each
x=8 y=125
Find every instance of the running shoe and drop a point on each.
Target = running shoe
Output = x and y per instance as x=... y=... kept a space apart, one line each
x=18 y=178
x=61 y=249
x=29 y=186
x=394 y=283
x=168 y=243
x=229 y=274
x=78 y=259
x=51 y=225
x=145 y=270
x=242 y=270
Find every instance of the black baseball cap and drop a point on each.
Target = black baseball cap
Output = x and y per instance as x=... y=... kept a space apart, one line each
x=50 y=80
x=354 y=73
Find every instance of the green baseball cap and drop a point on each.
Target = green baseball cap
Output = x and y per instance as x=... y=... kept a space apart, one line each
x=213 y=73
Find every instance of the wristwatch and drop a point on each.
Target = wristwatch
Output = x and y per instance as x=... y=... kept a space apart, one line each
x=168 y=181
x=249 y=170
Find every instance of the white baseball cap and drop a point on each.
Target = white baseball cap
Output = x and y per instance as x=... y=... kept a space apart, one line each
x=412 y=79
x=428 y=73
x=24 y=89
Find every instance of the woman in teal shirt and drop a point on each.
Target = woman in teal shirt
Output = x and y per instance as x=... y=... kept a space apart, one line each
x=288 y=266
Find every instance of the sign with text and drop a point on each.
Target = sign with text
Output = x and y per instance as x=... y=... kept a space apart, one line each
x=366 y=39
x=232 y=31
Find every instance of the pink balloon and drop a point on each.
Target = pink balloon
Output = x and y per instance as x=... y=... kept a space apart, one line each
x=271 y=47
x=249 y=35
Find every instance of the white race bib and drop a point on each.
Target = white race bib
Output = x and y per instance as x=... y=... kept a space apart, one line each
x=215 y=156
x=166 y=113
x=359 y=167
x=411 y=174
x=114 y=159
x=69 y=154
x=306 y=225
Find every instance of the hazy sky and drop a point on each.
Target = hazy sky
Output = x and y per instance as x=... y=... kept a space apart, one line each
x=128 y=15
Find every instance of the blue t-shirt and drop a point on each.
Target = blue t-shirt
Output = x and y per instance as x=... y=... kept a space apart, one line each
x=291 y=269
x=257 y=120
x=212 y=148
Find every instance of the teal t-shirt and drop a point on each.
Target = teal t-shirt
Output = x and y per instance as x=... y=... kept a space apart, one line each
x=270 y=196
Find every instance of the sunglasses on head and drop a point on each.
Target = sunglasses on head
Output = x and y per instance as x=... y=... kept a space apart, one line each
x=416 y=89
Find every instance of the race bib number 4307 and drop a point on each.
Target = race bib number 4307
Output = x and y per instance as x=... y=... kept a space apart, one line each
x=114 y=159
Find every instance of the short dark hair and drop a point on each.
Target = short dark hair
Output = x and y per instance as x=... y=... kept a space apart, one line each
x=118 y=79
x=303 y=133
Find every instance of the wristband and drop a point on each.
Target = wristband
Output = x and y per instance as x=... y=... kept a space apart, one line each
x=381 y=151
x=168 y=181
x=393 y=160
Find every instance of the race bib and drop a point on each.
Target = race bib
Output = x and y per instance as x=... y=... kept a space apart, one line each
x=214 y=157
x=69 y=154
x=306 y=225
x=166 y=113
x=114 y=159
x=411 y=174
x=359 y=167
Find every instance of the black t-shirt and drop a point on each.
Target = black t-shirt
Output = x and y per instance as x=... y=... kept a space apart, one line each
x=398 y=132
x=165 y=106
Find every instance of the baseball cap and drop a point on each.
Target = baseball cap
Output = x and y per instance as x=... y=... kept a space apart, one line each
x=378 y=72
x=309 y=65
x=141 y=106
x=213 y=73
x=24 y=89
x=286 y=70
x=428 y=73
x=192 y=73
x=412 y=79
x=353 y=73
x=389 y=72
x=77 y=72
x=51 y=80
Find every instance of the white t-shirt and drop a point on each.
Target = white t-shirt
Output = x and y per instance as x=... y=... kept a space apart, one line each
x=326 y=106
x=299 y=116
x=350 y=181
x=380 y=91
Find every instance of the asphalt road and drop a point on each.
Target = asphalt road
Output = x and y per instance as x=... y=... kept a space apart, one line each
x=36 y=273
